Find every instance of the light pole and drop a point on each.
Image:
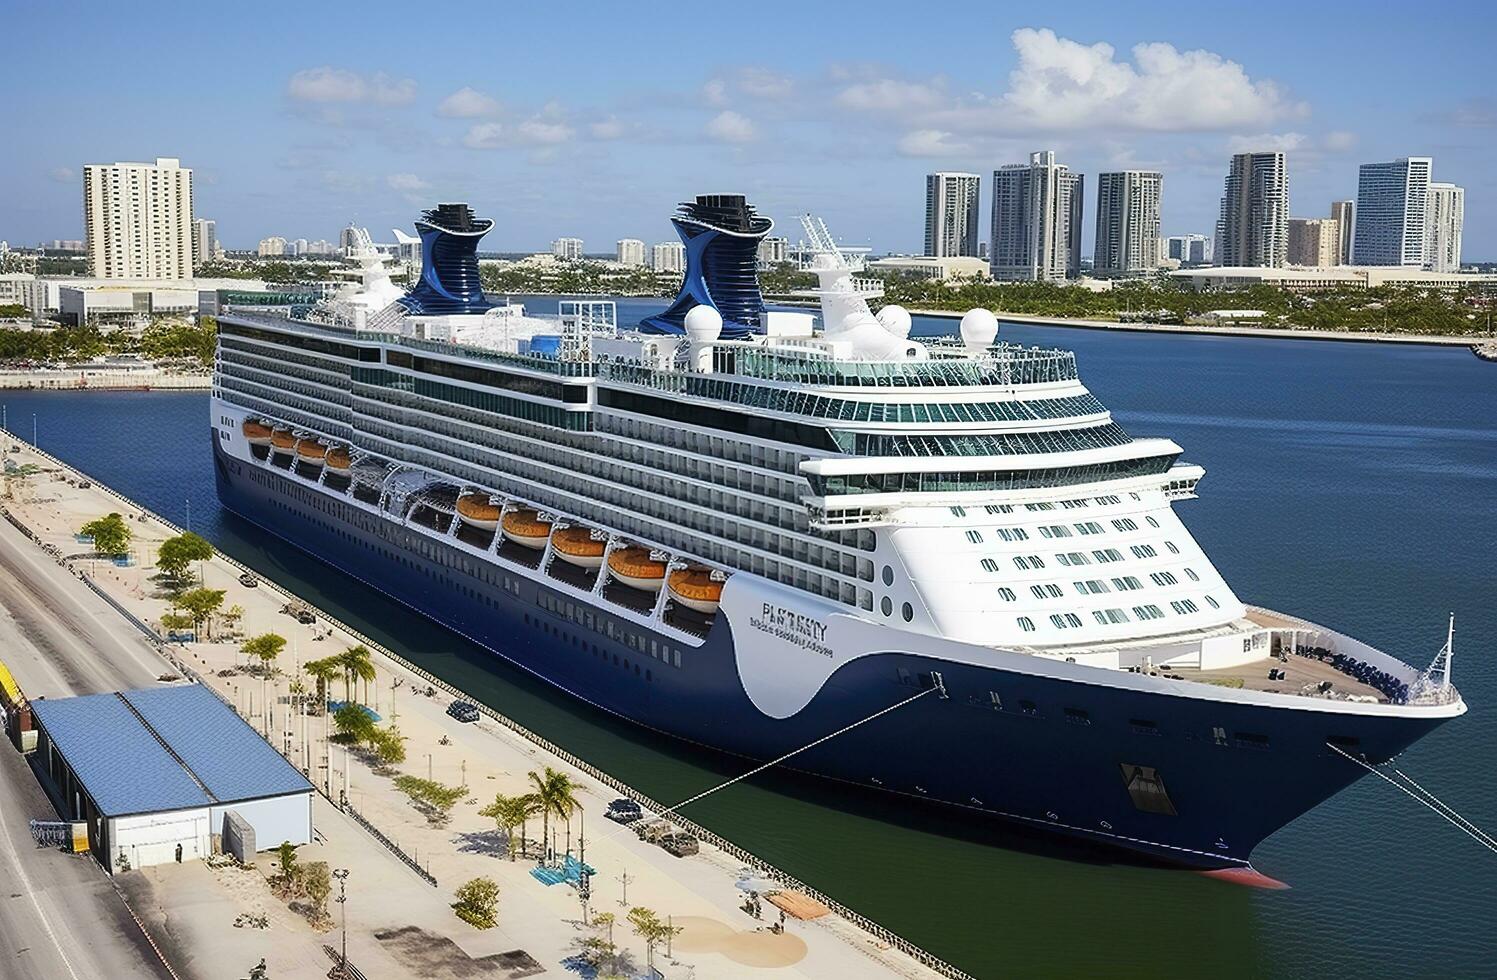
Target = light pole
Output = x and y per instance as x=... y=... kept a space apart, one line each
x=342 y=875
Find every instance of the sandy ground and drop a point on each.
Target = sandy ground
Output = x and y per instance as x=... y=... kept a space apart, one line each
x=196 y=908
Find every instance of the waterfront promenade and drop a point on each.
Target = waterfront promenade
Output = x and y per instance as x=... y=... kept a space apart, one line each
x=104 y=381
x=191 y=909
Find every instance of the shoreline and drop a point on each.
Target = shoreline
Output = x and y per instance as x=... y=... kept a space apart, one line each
x=61 y=381
x=856 y=933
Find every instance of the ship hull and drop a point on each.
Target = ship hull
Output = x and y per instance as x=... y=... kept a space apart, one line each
x=1163 y=775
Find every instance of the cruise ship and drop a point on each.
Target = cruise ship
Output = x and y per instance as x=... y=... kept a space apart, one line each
x=753 y=528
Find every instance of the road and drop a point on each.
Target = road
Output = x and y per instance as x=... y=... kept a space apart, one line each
x=60 y=918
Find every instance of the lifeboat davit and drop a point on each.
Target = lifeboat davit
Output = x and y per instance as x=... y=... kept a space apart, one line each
x=311 y=451
x=478 y=510
x=577 y=546
x=525 y=527
x=283 y=439
x=695 y=588
x=634 y=567
x=256 y=433
x=339 y=458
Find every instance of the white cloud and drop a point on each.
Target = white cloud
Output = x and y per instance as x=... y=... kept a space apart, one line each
x=537 y=131
x=1339 y=141
x=485 y=136
x=606 y=129
x=328 y=84
x=406 y=182
x=731 y=127
x=64 y=175
x=1269 y=143
x=467 y=103
x=891 y=95
x=715 y=92
x=931 y=143
x=761 y=83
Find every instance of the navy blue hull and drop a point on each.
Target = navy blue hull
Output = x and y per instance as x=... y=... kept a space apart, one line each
x=1172 y=777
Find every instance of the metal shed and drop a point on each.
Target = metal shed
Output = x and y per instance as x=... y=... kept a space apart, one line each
x=155 y=769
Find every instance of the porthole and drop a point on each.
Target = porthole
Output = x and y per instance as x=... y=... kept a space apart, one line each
x=907 y=611
x=887 y=605
x=888 y=575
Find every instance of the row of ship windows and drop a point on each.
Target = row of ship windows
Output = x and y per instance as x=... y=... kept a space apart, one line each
x=285 y=410
x=310 y=367
x=280 y=382
x=659 y=499
x=1103 y=556
x=982 y=444
x=1060 y=530
x=1082 y=718
x=986 y=480
x=576 y=612
x=1094 y=586
x=577 y=500
x=552 y=415
x=1107 y=617
x=1103 y=501
x=320 y=412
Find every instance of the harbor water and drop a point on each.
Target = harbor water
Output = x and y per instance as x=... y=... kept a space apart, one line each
x=1352 y=484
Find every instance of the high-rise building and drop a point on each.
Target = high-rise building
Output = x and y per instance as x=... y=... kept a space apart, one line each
x=1392 y=202
x=951 y=213
x=137 y=219
x=348 y=239
x=1314 y=242
x=204 y=241
x=567 y=249
x=1188 y=249
x=1446 y=215
x=1036 y=220
x=1254 y=225
x=272 y=246
x=668 y=257
x=1127 y=223
x=773 y=251
x=1344 y=213
x=630 y=251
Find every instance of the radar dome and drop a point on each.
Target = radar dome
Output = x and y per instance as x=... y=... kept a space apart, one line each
x=979 y=328
x=896 y=320
x=703 y=324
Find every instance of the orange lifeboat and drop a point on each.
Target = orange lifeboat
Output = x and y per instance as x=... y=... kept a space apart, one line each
x=339 y=458
x=283 y=439
x=577 y=546
x=479 y=510
x=695 y=588
x=634 y=567
x=525 y=527
x=311 y=451
x=256 y=433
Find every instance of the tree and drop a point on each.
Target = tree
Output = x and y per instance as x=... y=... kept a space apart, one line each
x=177 y=554
x=318 y=882
x=647 y=926
x=286 y=857
x=557 y=794
x=509 y=812
x=605 y=921
x=431 y=796
x=111 y=535
x=353 y=724
x=200 y=604
x=386 y=743
x=477 y=903
x=358 y=665
x=266 y=646
x=177 y=622
x=323 y=671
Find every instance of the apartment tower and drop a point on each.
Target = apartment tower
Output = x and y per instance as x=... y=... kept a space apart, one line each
x=1345 y=215
x=137 y=220
x=951 y=213
x=1254 y=225
x=1392 y=212
x=1036 y=232
x=1127 y=223
x=1447 y=213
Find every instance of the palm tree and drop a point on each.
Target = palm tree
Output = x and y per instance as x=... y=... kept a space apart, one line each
x=556 y=793
x=357 y=666
x=510 y=812
x=323 y=671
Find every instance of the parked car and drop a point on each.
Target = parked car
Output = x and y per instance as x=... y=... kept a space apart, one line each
x=463 y=711
x=653 y=831
x=624 y=811
x=305 y=617
x=248 y=581
x=681 y=845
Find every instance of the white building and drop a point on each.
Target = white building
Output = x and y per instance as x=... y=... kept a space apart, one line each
x=933 y=266
x=1314 y=242
x=668 y=257
x=773 y=251
x=272 y=246
x=951 y=213
x=1036 y=220
x=137 y=219
x=204 y=241
x=1127 y=223
x=1446 y=216
x=630 y=251
x=1253 y=229
x=1188 y=249
x=298 y=247
x=567 y=249
x=1344 y=213
x=1301 y=280
x=1392 y=212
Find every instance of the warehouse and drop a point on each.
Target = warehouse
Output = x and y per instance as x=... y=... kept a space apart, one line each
x=152 y=771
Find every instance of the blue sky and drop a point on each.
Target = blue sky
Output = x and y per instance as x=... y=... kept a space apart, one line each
x=595 y=119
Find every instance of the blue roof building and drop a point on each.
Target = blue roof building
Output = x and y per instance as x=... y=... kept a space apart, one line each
x=155 y=773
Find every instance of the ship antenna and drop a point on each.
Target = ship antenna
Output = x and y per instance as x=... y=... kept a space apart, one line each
x=1449 y=653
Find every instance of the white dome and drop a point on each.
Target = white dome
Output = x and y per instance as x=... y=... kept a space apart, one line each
x=979 y=328
x=896 y=320
x=703 y=324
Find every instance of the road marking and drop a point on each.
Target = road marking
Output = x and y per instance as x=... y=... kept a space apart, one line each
x=14 y=859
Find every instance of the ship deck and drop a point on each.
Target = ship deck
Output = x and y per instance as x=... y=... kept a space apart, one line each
x=1302 y=675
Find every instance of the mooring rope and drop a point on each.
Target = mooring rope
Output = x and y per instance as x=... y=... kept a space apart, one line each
x=774 y=762
x=1452 y=817
x=1447 y=808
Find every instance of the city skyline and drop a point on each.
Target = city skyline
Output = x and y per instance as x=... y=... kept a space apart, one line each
x=319 y=139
